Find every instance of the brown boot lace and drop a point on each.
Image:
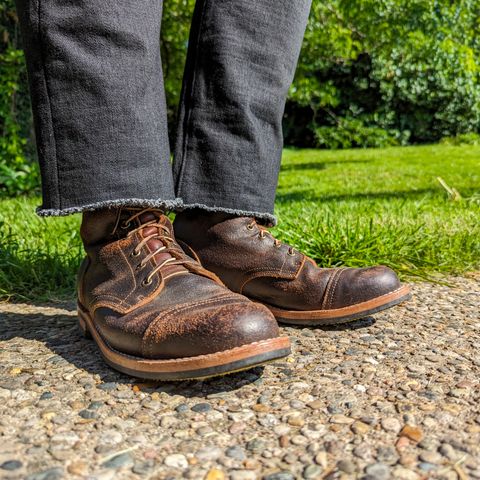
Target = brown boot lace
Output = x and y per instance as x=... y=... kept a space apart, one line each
x=169 y=245
x=263 y=233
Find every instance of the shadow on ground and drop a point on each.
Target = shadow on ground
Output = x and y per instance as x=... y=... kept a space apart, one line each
x=312 y=195
x=291 y=167
x=60 y=334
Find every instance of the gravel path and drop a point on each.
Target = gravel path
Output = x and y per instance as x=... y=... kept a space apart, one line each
x=395 y=396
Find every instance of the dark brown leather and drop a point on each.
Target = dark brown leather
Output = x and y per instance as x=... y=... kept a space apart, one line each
x=152 y=311
x=252 y=262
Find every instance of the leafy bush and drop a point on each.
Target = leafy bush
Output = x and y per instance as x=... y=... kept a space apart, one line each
x=463 y=139
x=410 y=68
x=352 y=132
x=18 y=174
x=177 y=15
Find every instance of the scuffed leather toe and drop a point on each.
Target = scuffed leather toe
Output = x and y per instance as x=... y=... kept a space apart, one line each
x=201 y=331
x=351 y=286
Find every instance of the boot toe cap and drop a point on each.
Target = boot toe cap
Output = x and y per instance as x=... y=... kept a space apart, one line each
x=364 y=284
x=212 y=329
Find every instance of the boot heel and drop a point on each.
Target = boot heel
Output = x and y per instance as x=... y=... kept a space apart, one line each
x=83 y=324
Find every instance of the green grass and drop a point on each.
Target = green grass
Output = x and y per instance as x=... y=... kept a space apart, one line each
x=356 y=207
x=362 y=207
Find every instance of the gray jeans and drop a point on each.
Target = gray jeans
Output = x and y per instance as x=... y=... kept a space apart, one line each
x=99 y=105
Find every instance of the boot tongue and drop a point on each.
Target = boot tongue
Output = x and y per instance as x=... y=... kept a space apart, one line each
x=159 y=220
x=149 y=216
x=155 y=243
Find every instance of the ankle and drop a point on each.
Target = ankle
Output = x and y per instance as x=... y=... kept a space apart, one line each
x=193 y=224
x=200 y=216
x=97 y=224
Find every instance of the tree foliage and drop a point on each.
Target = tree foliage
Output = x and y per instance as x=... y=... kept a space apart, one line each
x=371 y=73
x=18 y=173
x=379 y=72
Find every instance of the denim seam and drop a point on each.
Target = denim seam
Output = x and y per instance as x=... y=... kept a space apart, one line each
x=187 y=121
x=174 y=204
x=271 y=219
x=48 y=97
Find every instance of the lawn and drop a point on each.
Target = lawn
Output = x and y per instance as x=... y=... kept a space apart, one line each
x=355 y=207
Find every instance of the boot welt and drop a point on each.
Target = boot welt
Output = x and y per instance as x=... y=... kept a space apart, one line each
x=198 y=367
x=341 y=315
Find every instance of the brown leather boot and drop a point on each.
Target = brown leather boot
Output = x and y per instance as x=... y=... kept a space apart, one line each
x=250 y=261
x=156 y=313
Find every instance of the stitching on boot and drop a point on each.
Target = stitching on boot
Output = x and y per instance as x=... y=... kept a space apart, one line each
x=326 y=295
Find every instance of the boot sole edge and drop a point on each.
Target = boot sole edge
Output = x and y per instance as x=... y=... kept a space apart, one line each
x=341 y=315
x=188 y=368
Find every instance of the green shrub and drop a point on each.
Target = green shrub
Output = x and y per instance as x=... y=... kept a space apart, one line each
x=174 y=40
x=406 y=67
x=18 y=174
x=351 y=133
x=463 y=139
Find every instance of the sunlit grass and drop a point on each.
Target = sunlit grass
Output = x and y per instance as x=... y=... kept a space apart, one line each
x=361 y=207
x=356 y=207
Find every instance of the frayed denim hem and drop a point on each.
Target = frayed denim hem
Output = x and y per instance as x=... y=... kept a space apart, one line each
x=268 y=218
x=123 y=202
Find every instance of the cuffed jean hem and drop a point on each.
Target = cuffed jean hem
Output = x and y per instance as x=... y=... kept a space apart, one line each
x=174 y=204
x=267 y=218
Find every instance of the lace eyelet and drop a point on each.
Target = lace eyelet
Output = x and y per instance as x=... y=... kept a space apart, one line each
x=135 y=253
x=125 y=225
x=146 y=282
x=139 y=267
x=291 y=252
x=250 y=227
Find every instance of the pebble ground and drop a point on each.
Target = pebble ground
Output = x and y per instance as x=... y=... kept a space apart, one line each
x=395 y=396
